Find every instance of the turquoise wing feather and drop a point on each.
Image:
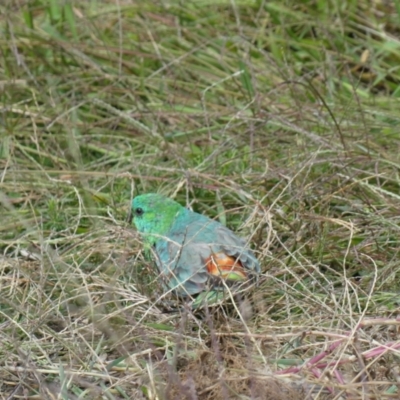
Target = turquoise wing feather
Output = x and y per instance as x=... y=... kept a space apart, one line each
x=181 y=256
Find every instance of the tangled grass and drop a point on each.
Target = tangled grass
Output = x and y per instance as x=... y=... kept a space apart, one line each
x=278 y=118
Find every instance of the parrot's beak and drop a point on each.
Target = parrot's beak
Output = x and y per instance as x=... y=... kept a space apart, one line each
x=129 y=216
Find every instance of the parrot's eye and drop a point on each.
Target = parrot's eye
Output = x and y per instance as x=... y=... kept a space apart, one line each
x=139 y=211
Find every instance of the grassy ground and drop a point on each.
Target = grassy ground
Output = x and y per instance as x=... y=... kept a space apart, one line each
x=280 y=118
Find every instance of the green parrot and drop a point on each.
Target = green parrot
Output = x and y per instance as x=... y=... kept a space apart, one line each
x=193 y=252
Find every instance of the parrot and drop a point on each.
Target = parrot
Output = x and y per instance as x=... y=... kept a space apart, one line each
x=191 y=250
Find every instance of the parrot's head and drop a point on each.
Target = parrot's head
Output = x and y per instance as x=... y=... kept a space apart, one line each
x=154 y=215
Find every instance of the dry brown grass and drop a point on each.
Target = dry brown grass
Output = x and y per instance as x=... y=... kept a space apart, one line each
x=280 y=119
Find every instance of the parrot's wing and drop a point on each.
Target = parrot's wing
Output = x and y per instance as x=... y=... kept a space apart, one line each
x=233 y=246
x=188 y=259
x=182 y=267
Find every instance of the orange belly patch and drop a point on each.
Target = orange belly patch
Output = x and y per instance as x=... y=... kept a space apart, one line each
x=226 y=267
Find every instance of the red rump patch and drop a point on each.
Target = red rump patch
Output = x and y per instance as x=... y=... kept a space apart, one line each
x=219 y=264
